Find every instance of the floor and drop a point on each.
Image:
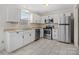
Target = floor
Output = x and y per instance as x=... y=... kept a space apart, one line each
x=46 y=47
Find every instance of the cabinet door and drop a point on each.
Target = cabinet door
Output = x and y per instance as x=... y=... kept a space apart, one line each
x=20 y=39
x=32 y=35
x=14 y=41
x=41 y=33
x=43 y=19
x=26 y=37
x=55 y=34
x=29 y=36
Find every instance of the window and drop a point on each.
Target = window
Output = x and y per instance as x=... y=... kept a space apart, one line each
x=25 y=15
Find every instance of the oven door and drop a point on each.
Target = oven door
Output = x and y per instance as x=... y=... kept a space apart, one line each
x=47 y=33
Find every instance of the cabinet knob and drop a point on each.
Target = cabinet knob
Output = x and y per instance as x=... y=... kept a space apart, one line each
x=23 y=37
x=29 y=34
x=17 y=32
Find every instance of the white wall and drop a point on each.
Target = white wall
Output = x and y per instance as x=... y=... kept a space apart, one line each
x=2 y=21
x=76 y=25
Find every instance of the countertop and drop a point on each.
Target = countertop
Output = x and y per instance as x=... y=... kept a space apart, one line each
x=30 y=26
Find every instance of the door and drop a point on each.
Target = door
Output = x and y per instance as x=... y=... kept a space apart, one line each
x=68 y=34
x=62 y=33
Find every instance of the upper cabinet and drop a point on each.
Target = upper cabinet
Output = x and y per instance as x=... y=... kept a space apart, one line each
x=35 y=18
x=13 y=12
x=16 y=13
x=42 y=18
x=29 y=16
x=47 y=19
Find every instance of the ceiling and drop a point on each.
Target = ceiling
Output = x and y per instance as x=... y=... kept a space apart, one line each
x=42 y=8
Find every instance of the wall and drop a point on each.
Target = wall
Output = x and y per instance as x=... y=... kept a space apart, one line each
x=76 y=26
x=2 y=21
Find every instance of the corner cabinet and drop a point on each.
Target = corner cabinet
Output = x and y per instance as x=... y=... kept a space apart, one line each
x=15 y=40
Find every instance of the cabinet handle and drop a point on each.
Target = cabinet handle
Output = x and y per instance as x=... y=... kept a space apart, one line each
x=23 y=37
x=17 y=32
x=29 y=34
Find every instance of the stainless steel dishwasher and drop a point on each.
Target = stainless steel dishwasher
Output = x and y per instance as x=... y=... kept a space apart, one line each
x=37 y=34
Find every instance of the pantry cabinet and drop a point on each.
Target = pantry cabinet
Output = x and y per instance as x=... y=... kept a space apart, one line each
x=15 y=40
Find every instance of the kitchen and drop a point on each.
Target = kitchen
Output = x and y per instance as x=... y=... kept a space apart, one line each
x=25 y=24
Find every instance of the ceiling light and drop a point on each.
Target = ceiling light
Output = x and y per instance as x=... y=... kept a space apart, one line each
x=45 y=5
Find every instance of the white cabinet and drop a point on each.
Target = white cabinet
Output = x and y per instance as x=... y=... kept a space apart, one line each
x=29 y=36
x=26 y=38
x=42 y=19
x=56 y=18
x=32 y=35
x=55 y=34
x=35 y=18
x=41 y=33
x=14 y=41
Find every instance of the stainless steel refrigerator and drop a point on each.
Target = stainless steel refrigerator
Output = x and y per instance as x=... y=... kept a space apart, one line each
x=65 y=29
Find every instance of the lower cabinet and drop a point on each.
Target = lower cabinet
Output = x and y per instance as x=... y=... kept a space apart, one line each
x=41 y=33
x=55 y=34
x=15 y=40
x=29 y=36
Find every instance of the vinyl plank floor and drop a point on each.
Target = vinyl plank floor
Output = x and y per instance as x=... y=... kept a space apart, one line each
x=47 y=47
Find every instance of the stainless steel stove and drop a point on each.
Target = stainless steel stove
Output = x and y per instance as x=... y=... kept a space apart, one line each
x=48 y=33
